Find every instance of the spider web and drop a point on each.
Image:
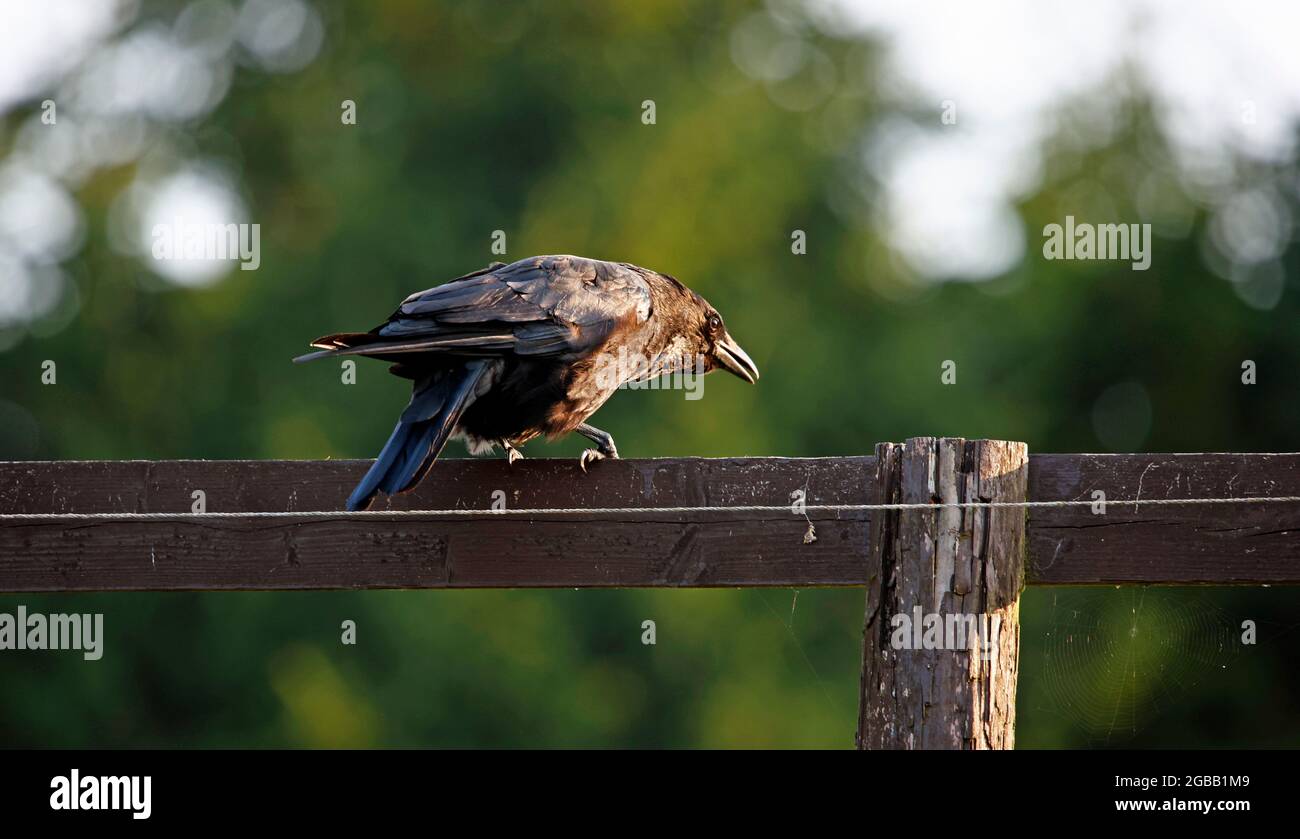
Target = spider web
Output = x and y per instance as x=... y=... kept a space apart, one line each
x=1112 y=660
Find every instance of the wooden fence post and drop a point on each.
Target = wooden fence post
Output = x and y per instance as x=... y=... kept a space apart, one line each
x=948 y=577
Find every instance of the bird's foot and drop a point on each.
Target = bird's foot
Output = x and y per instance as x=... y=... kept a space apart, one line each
x=604 y=445
x=590 y=456
x=512 y=454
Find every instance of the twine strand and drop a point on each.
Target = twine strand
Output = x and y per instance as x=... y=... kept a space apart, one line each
x=635 y=511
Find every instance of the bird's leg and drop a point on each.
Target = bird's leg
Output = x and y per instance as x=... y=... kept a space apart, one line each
x=512 y=454
x=604 y=445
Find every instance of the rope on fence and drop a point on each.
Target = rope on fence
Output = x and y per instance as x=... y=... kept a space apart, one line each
x=625 y=511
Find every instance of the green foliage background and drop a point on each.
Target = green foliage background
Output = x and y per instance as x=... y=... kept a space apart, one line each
x=463 y=130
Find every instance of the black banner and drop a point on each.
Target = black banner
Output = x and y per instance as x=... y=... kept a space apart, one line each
x=212 y=788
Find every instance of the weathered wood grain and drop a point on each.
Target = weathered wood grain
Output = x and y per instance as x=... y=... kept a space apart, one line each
x=663 y=549
x=1220 y=544
x=960 y=567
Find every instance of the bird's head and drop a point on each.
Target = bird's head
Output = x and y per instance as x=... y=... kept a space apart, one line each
x=717 y=346
x=692 y=331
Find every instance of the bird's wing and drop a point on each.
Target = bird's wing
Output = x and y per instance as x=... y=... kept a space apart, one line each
x=542 y=306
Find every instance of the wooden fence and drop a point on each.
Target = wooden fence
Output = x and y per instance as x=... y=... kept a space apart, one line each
x=944 y=540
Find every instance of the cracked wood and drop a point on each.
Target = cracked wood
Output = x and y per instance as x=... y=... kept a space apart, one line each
x=941 y=641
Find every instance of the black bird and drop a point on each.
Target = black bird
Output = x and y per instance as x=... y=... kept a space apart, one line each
x=511 y=352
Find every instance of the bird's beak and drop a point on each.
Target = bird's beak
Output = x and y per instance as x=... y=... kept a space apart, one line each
x=735 y=360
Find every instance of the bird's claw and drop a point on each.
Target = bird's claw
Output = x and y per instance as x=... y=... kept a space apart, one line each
x=512 y=454
x=591 y=456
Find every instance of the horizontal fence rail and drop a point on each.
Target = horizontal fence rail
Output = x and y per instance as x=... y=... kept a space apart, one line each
x=1242 y=542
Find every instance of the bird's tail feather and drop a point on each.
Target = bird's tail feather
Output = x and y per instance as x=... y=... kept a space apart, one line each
x=397 y=443
x=436 y=406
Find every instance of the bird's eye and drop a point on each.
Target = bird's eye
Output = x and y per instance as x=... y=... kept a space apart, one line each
x=715 y=323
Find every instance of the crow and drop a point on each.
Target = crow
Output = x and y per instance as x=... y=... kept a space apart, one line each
x=512 y=352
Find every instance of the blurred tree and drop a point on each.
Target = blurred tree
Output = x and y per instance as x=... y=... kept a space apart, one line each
x=526 y=118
